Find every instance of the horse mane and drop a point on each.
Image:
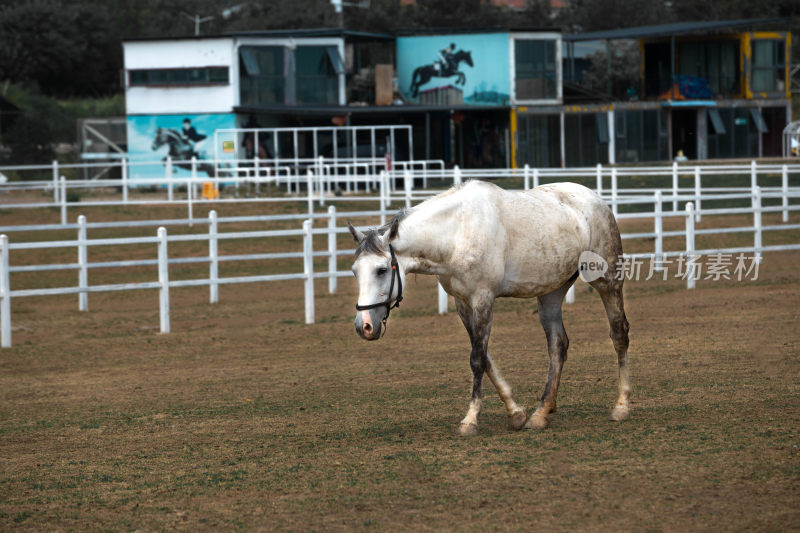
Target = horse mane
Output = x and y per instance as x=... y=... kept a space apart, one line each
x=371 y=243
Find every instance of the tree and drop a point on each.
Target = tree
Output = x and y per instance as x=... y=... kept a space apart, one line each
x=64 y=49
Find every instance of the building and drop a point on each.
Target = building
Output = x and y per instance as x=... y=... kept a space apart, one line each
x=478 y=98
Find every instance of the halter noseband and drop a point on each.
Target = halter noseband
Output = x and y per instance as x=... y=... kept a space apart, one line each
x=388 y=302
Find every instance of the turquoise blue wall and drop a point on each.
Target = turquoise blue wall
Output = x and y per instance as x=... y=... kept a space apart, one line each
x=486 y=83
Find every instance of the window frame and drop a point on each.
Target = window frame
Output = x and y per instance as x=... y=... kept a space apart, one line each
x=558 y=67
x=186 y=82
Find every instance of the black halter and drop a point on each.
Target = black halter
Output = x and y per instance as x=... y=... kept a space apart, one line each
x=388 y=303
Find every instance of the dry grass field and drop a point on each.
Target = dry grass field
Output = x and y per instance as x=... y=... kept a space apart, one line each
x=246 y=418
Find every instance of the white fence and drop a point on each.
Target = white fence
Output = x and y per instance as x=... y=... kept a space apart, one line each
x=652 y=203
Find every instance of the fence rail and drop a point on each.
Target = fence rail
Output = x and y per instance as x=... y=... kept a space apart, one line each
x=652 y=204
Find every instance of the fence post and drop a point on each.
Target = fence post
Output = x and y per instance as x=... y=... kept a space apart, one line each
x=456 y=175
x=674 y=186
x=614 y=206
x=168 y=171
x=83 y=272
x=535 y=177
x=407 y=187
x=308 y=270
x=384 y=203
x=599 y=178
x=310 y=197
x=526 y=182
x=443 y=307
x=690 y=245
x=55 y=181
x=213 y=257
x=124 y=170
x=5 y=295
x=570 y=297
x=163 y=279
x=63 y=187
x=753 y=177
x=785 y=192
x=190 y=199
x=757 y=223
x=697 y=193
x=658 y=256
x=332 y=258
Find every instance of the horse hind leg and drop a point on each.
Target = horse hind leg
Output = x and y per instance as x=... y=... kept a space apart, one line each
x=516 y=414
x=611 y=294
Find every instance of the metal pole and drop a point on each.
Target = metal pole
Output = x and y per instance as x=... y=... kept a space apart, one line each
x=213 y=255
x=535 y=177
x=690 y=282
x=63 y=194
x=456 y=175
x=332 y=258
x=757 y=223
x=785 y=192
x=308 y=271
x=55 y=182
x=124 y=169
x=526 y=180
x=407 y=187
x=168 y=170
x=614 y=198
x=697 y=193
x=599 y=178
x=5 y=295
x=674 y=185
x=310 y=187
x=443 y=307
x=384 y=196
x=658 y=256
x=83 y=272
x=163 y=280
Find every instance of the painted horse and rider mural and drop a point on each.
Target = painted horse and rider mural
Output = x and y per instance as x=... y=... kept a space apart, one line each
x=444 y=67
x=181 y=146
x=482 y=243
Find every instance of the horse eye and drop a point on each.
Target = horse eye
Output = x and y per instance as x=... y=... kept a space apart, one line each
x=382 y=271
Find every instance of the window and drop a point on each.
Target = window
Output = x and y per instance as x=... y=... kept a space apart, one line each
x=317 y=80
x=262 y=74
x=535 y=69
x=281 y=75
x=641 y=135
x=586 y=139
x=769 y=65
x=715 y=61
x=179 y=76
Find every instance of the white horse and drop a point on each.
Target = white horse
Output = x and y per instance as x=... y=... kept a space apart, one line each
x=483 y=242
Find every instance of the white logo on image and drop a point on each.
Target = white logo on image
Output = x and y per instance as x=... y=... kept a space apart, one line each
x=591 y=266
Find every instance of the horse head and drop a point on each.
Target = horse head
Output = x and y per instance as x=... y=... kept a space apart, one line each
x=464 y=55
x=158 y=140
x=379 y=277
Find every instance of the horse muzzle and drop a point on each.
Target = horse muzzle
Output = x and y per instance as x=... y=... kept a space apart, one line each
x=368 y=324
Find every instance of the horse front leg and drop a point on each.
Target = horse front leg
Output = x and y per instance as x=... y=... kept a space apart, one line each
x=478 y=322
x=557 y=344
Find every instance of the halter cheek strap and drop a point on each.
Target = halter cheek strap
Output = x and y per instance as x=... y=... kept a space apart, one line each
x=388 y=302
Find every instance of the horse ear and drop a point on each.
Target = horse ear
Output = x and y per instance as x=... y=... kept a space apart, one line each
x=394 y=230
x=358 y=236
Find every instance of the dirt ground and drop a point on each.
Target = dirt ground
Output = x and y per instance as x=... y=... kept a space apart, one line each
x=246 y=418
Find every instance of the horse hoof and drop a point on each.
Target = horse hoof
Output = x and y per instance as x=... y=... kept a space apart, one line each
x=467 y=430
x=517 y=420
x=536 y=422
x=620 y=413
